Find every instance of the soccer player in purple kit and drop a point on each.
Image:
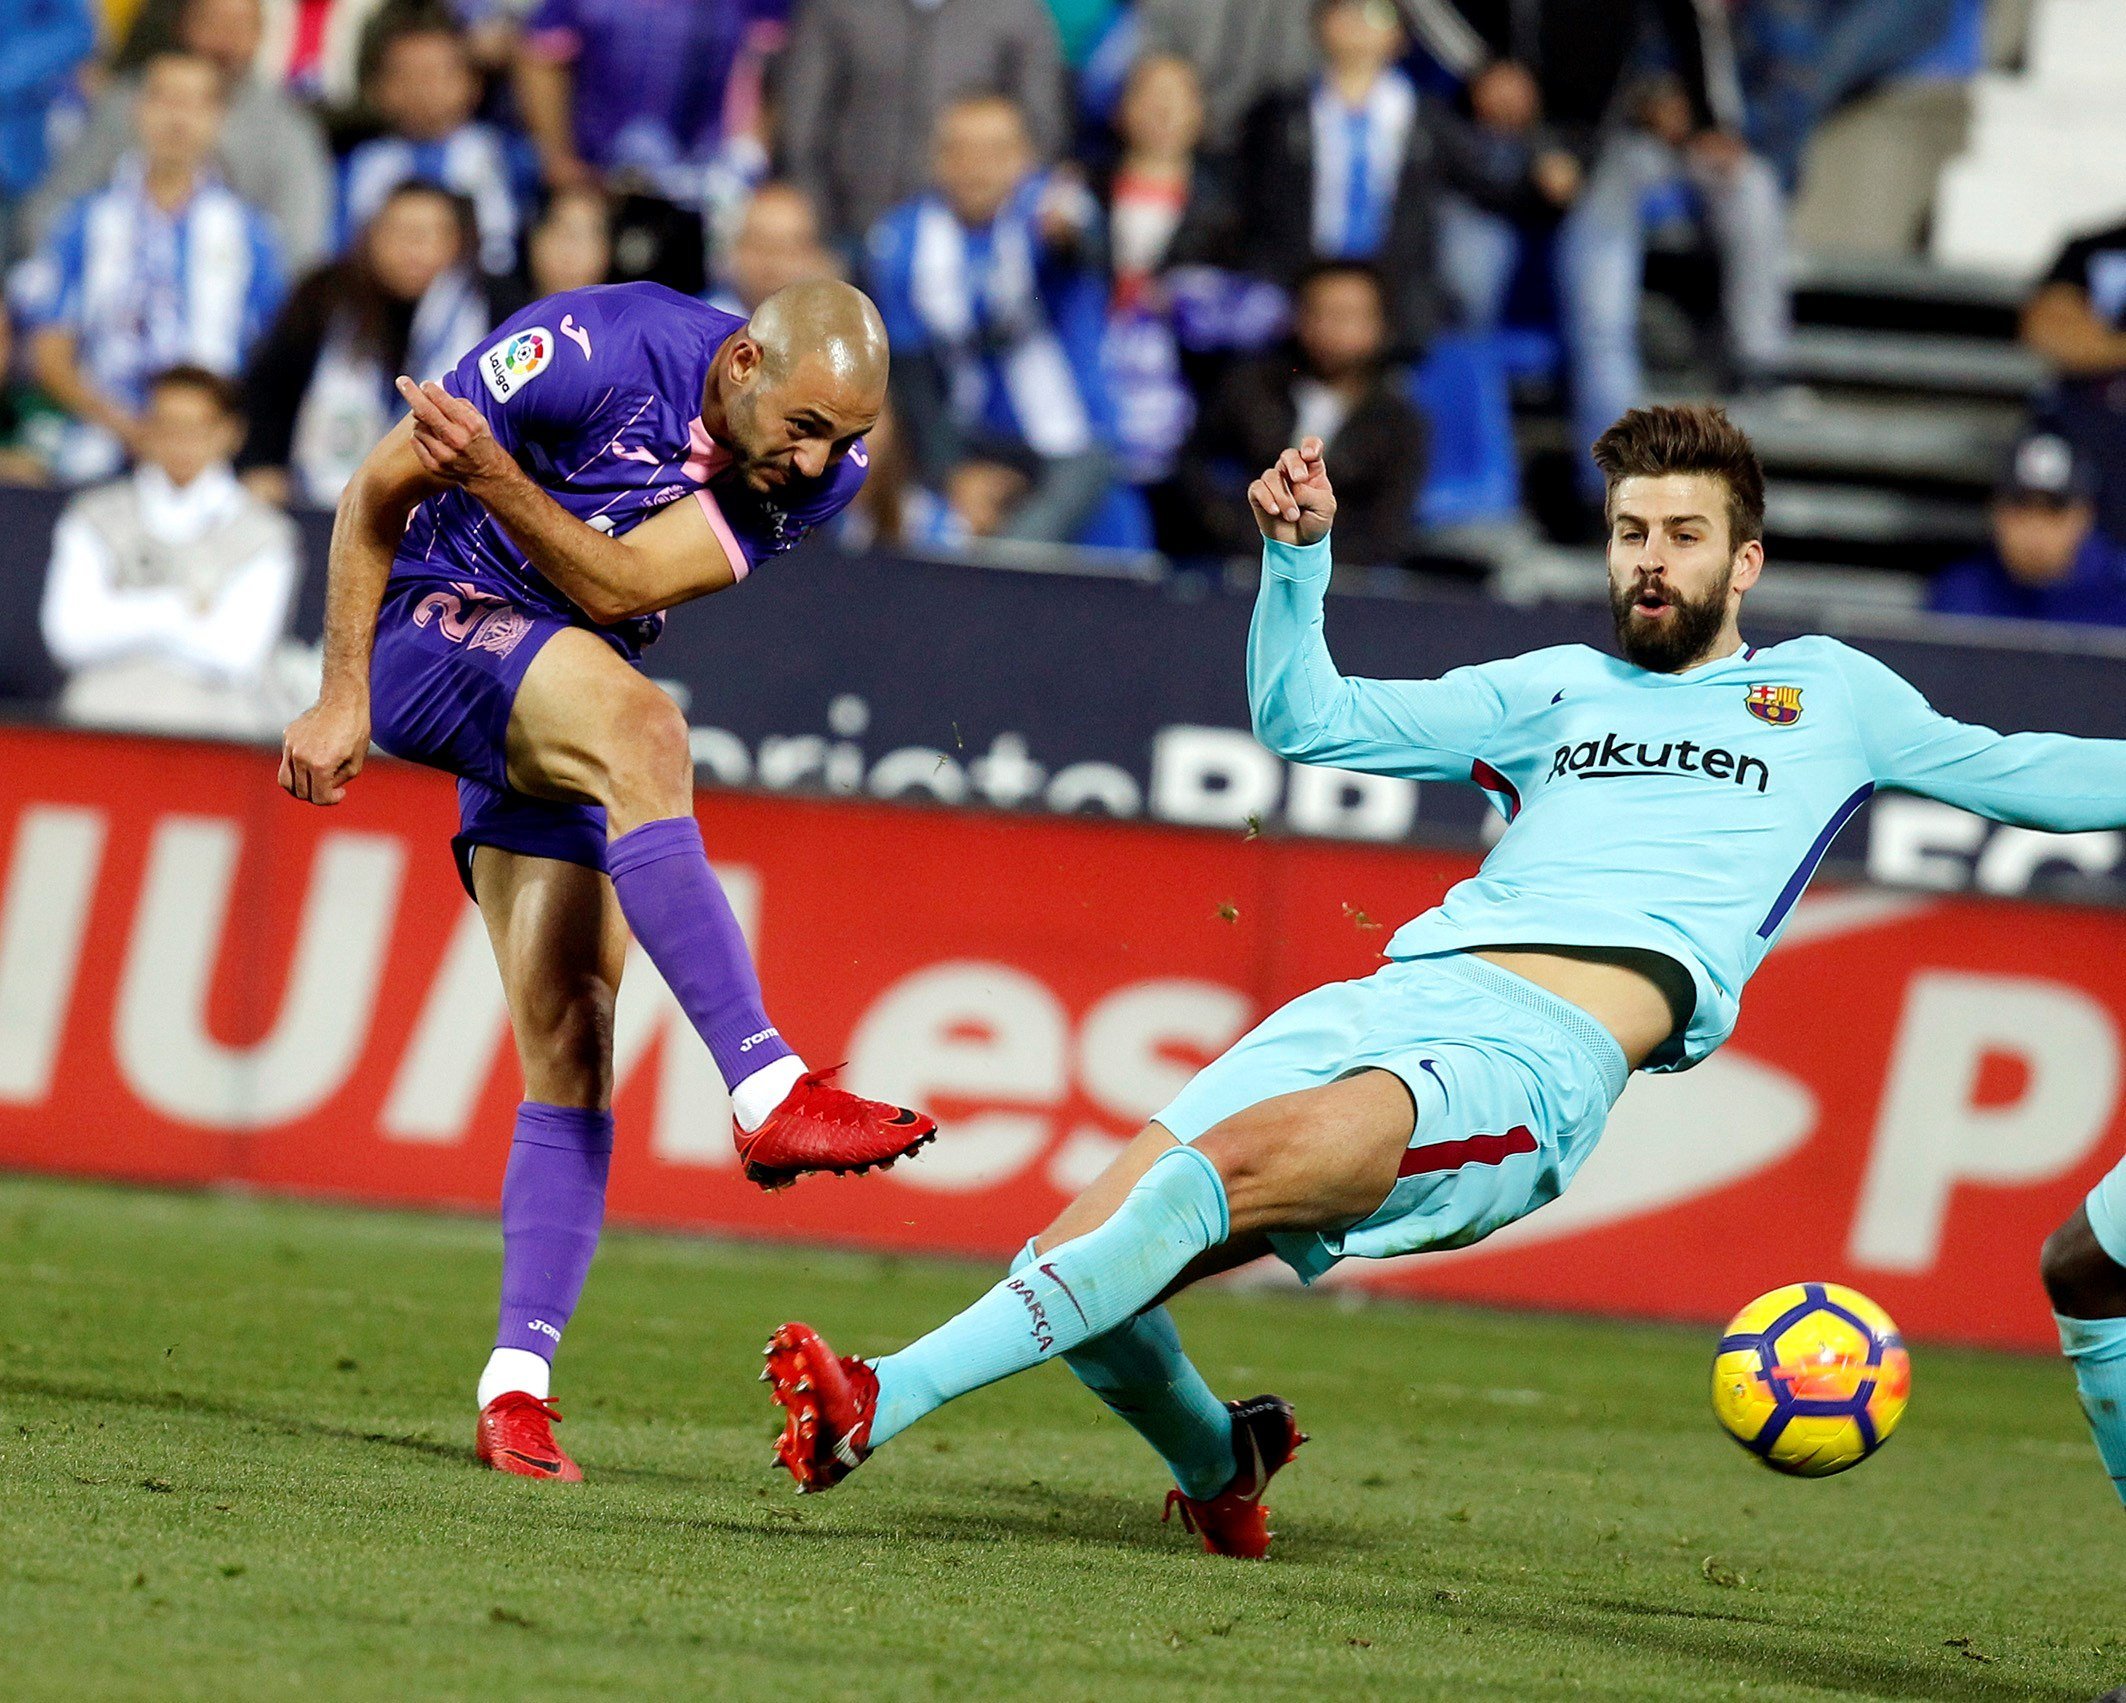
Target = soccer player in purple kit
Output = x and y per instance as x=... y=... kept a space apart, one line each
x=497 y=566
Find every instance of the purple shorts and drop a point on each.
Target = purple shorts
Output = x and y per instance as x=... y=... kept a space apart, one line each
x=448 y=661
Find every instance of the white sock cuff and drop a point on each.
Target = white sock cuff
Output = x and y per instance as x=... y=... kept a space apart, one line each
x=515 y=1369
x=753 y=1098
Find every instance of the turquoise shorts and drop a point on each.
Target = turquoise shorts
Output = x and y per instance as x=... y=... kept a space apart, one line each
x=2106 y=1207
x=1512 y=1087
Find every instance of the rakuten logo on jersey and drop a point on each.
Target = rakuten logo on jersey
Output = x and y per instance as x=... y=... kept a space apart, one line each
x=1613 y=758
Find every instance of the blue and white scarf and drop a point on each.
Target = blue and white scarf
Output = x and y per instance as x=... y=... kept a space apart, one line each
x=469 y=162
x=350 y=401
x=976 y=293
x=143 y=289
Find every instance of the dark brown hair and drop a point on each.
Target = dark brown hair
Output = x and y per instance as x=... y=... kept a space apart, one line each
x=218 y=390
x=1695 y=438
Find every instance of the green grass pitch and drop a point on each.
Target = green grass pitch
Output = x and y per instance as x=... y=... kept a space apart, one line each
x=234 y=1464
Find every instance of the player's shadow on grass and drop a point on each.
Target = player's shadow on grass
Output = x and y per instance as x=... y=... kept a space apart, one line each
x=1774 y=1649
x=209 y=1407
x=1010 y=1514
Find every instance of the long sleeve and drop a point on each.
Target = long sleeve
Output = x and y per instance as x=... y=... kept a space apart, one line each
x=2034 y=780
x=233 y=637
x=1037 y=79
x=304 y=188
x=1304 y=709
x=808 y=100
x=53 y=39
x=86 y=618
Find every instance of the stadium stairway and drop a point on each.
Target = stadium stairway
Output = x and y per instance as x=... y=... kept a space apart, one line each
x=1905 y=388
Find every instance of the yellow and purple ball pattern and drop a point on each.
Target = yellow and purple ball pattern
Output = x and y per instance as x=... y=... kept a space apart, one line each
x=1811 y=1378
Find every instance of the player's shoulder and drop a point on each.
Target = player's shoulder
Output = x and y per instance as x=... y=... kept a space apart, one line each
x=1817 y=651
x=1567 y=665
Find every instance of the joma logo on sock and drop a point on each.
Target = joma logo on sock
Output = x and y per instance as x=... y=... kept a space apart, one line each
x=1610 y=757
x=1036 y=1315
x=751 y=1041
x=543 y=1328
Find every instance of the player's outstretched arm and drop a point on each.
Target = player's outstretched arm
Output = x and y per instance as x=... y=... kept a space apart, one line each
x=1302 y=707
x=668 y=559
x=324 y=747
x=2054 y=781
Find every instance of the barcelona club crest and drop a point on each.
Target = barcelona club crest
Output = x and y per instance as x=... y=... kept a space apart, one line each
x=1778 y=705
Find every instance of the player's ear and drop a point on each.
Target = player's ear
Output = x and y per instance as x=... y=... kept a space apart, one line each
x=746 y=359
x=1749 y=563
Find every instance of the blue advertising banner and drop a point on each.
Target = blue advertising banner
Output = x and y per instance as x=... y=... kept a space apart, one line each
x=880 y=676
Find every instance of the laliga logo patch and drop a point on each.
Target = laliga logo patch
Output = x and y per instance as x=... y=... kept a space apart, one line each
x=1778 y=705
x=508 y=367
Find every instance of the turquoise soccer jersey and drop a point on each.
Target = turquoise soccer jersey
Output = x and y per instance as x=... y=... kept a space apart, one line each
x=1678 y=813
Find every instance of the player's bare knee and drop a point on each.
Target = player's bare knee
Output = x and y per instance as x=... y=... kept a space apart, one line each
x=648 y=759
x=567 y=1043
x=2082 y=1280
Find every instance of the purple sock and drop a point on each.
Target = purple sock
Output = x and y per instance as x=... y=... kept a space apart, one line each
x=676 y=906
x=553 y=1201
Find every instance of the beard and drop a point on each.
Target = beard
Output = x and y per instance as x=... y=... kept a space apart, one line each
x=1677 y=636
x=760 y=470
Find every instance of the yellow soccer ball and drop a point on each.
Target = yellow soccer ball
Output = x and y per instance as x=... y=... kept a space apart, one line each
x=1811 y=1379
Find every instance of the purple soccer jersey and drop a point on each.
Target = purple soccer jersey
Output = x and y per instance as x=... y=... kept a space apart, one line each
x=597 y=393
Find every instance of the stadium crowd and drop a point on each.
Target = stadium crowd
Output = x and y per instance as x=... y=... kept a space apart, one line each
x=1126 y=252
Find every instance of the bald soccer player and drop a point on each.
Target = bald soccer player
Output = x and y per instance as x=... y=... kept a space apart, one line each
x=497 y=567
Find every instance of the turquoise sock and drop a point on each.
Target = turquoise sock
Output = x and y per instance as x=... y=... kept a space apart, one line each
x=2096 y=1348
x=1081 y=1290
x=1139 y=1371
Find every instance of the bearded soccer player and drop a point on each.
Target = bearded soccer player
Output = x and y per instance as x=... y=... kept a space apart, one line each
x=497 y=567
x=1665 y=808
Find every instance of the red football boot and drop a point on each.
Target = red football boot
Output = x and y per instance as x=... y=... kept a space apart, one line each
x=830 y=1398
x=819 y=1127
x=516 y=1434
x=1234 y=1522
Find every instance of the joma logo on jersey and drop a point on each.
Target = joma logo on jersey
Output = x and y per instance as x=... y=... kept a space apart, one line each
x=1611 y=758
x=1778 y=705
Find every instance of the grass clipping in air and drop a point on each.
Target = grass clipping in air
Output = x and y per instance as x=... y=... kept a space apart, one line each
x=235 y=1462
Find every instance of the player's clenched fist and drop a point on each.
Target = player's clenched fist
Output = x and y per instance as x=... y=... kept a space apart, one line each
x=323 y=750
x=1293 y=501
x=451 y=436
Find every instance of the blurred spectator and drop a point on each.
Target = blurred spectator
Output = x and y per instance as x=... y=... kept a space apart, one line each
x=2048 y=561
x=777 y=243
x=607 y=85
x=2077 y=322
x=170 y=588
x=19 y=463
x=996 y=310
x=894 y=510
x=271 y=151
x=1354 y=168
x=1335 y=384
x=41 y=44
x=1804 y=59
x=569 y=247
x=318 y=50
x=425 y=89
x=165 y=266
x=1244 y=52
x=1080 y=25
x=319 y=390
x=865 y=81
x=1164 y=207
x=1656 y=152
